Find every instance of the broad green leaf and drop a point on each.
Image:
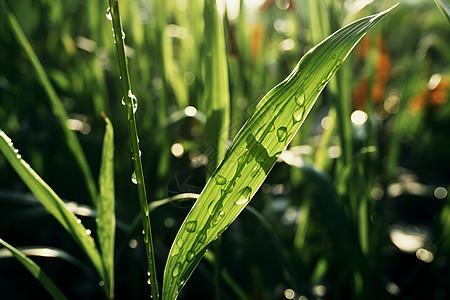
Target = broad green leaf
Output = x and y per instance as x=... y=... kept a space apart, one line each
x=444 y=8
x=51 y=201
x=72 y=141
x=106 y=217
x=255 y=150
x=35 y=270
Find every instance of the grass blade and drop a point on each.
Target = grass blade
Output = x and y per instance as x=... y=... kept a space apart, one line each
x=106 y=226
x=217 y=97
x=35 y=270
x=255 y=150
x=131 y=107
x=51 y=201
x=72 y=141
x=444 y=8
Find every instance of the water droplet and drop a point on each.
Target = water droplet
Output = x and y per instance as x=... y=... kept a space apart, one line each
x=202 y=238
x=297 y=115
x=300 y=98
x=16 y=150
x=321 y=84
x=281 y=134
x=272 y=127
x=101 y=283
x=88 y=231
x=134 y=101
x=120 y=77
x=176 y=270
x=97 y=220
x=5 y=137
x=149 y=281
x=190 y=255
x=108 y=14
x=180 y=243
x=123 y=35
x=175 y=250
x=254 y=172
x=220 y=180
x=243 y=196
x=217 y=218
x=191 y=226
x=143 y=231
x=19 y=156
x=79 y=221
x=133 y=178
x=148 y=273
x=123 y=101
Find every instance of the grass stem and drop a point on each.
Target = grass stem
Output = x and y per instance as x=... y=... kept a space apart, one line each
x=130 y=103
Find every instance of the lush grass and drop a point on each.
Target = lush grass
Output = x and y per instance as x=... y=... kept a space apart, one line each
x=324 y=218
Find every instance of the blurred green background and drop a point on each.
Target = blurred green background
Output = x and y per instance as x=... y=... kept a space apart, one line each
x=357 y=207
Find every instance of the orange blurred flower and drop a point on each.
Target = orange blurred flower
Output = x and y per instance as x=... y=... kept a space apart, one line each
x=381 y=77
x=434 y=96
x=256 y=40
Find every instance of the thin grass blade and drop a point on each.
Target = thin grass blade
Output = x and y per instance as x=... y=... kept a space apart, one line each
x=72 y=141
x=255 y=150
x=131 y=108
x=444 y=8
x=35 y=270
x=51 y=201
x=217 y=97
x=106 y=216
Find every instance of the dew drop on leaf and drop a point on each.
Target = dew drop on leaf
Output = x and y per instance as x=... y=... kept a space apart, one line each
x=175 y=250
x=272 y=127
x=191 y=226
x=254 y=172
x=108 y=14
x=220 y=180
x=300 y=98
x=180 y=243
x=190 y=255
x=281 y=134
x=176 y=270
x=134 y=101
x=243 y=196
x=133 y=178
x=297 y=115
x=202 y=238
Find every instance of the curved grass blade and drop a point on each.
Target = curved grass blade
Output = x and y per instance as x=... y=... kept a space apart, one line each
x=50 y=252
x=106 y=217
x=35 y=270
x=255 y=150
x=72 y=141
x=444 y=8
x=51 y=201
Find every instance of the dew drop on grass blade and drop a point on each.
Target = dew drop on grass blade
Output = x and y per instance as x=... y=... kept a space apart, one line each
x=255 y=150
